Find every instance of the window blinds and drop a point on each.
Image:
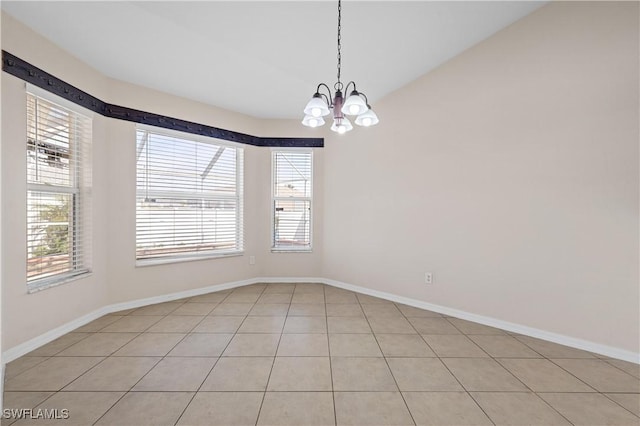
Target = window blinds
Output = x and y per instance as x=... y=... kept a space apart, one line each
x=189 y=197
x=58 y=178
x=292 y=194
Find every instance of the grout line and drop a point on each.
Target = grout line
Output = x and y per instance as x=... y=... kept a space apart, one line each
x=333 y=393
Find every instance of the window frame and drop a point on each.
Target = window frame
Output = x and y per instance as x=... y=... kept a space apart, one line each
x=81 y=262
x=239 y=198
x=290 y=249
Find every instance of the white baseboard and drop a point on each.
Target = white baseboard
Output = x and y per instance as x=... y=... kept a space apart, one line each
x=561 y=339
x=26 y=347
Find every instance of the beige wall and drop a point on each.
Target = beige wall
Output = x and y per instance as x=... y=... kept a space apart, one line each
x=511 y=173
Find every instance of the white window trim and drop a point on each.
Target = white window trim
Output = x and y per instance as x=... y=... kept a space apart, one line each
x=290 y=249
x=203 y=255
x=45 y=283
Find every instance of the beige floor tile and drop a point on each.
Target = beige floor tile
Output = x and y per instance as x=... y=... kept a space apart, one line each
x=403 y=345
x=397 y=325
x=483 y=374
x=370 y=300
x=362 y=374
x=371 y=409
x=147 y=409
x=433 y=326
x=280 y=288
x=308 y=288
x=422 y=374
x=454 y=346
x=239 y=374
x=98 y=324
x=132 y=324
x=99 y=344
x=354 y=345
x=194 y=309
x=303 y=345
x=589 y=409
x=469 y=327
x=348 y=325
x=300 y=374
x=553 y=350
x=17 y=400
x=270 y=309
x=503 y=346
x=344 y=310
x=242 y=298
x=84 y=408
x=299 y=325
x=627 y=367
x=209 y=298
x=262 y=325
x=21 y=365
x=411 y=312
x=232 y=309
x=201 y=345
x=541 y=375
x=223 y=409
x=58 y=345
x=219 y=324
x=176 y=324
x=600 y=375
x=297 y=408
x=176 y=374
x=445 y=409
x=342 y=297
x=308 y=298
x=517 y=408
x=630 y=401
x=252 y=345
x=150 y=344
x=52 y=374
x=275 y=298
x=157 y=309
x=114 y=374
x=307 y=310
x=385 y=310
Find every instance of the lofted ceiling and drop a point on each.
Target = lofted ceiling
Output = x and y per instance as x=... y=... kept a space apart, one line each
x=265 y=58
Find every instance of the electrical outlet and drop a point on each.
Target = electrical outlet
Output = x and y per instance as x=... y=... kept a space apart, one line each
x=252 y=260
x=428 y=278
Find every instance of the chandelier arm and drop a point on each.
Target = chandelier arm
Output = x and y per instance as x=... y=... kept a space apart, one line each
x=346 y=88
x=366 y=100
x=326 y=98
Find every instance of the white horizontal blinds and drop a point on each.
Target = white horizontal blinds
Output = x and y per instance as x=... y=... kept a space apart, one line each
x=58 y=178
x=189 y=197
x=292 y=177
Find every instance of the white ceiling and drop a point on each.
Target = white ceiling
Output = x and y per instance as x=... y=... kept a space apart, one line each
x=265 y=58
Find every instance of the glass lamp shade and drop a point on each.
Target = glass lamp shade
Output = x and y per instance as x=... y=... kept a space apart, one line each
x=311 y=121
x=317 y=107
x=354 y=105
x=369 y=118
x=341 y=126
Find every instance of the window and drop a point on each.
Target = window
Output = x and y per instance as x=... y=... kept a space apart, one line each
x=292 y=175
x=189 y=197
x=58 y=179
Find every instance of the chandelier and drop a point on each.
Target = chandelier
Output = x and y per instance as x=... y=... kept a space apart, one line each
x=356 y=103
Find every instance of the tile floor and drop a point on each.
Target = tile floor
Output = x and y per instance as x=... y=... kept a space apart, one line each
x=297 y=354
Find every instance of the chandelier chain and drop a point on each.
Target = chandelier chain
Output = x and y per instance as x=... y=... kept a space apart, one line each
x=338 y=85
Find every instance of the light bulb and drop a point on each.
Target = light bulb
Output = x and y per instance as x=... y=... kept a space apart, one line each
x=366 y=122
x=313 y=122
x=342 y=129
x=353 y=109
x=316 y=112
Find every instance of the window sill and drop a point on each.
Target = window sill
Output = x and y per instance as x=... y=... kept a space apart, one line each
x=48 y=283
x=141 y=263
x=290 y=250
